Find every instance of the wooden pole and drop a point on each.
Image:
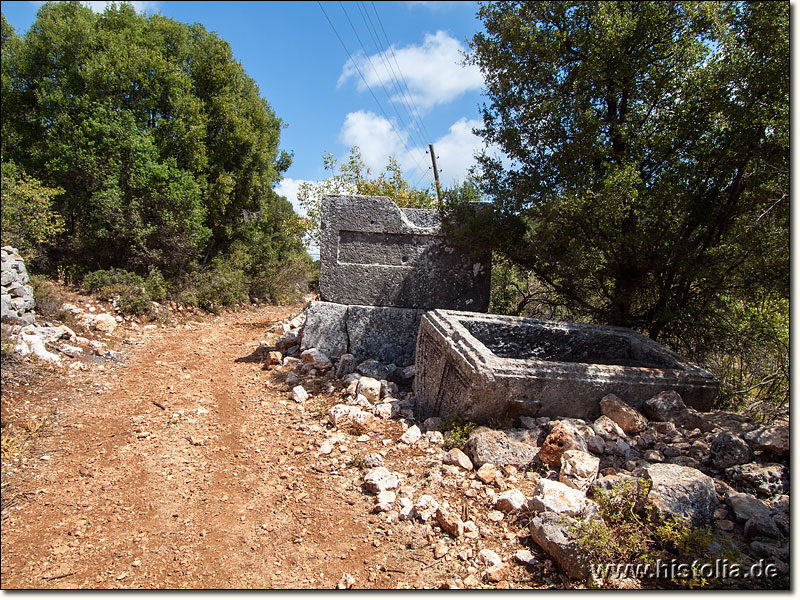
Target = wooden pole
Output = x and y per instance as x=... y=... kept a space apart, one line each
x=435 y=173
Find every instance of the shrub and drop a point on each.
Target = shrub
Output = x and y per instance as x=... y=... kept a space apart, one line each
x=456 y=431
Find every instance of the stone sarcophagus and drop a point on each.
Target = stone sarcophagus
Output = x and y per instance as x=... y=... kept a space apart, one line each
x=381 y=268
x=374 y=253
x=483 y=366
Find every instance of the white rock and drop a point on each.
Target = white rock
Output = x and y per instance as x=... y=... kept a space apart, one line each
x=380 y=479
x=490 y=558
x=578 y=469
x=607 y=429
x=299 y=394
x=435 y=438
x=317 y=358
x=411 y=436
x=370 y=388
x=510 y=500
x=424 y=507
x=406 y=508
x=37 y=348
x=525 y=557
x=342 y=415
x=457 y=458
x=557 y=497
x=383 y=410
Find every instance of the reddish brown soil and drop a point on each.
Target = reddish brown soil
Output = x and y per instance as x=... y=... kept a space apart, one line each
x=179 y=467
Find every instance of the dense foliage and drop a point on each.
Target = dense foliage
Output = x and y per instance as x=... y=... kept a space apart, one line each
x=644 y=181
x=647 y=145
x=164 y=153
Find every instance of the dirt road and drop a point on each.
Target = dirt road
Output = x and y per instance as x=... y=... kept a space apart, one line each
x=181 y=467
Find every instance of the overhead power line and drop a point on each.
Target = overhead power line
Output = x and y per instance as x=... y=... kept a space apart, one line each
x=380 y=106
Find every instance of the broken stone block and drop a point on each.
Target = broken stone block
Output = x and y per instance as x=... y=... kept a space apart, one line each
x=373 y=252
x=557 y=497
x=578 y=469
x=629 y=419
x=562 y=437
x=380 y=479
x=728 y=449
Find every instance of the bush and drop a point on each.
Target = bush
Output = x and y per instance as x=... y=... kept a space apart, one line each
x=627 y=532
x=456 y=431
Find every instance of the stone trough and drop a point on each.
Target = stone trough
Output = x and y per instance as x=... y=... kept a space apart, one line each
x=484 y=366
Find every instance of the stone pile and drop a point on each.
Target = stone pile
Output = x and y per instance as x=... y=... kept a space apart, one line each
x=712 y=469
x=17 y=295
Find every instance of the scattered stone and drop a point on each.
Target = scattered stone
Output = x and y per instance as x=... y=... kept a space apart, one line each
x=380 y=479
x=555 y=534
x=342 y=415
x=374 y=369
x=299 y=394
x=346 y=582
x=373 y=459
x=432 y=424
x=411 y=436
x=629 y=419
x=556 y=497
x=424 y=508
x=510 y=501
x=746 y=507
x=487 y=473
x=578 y=469
x=490 y=558
x=370 y=388
x=435 y=438
x=316 y=358
x=490 y=446
x=755 y=528
x=525 y=556
x=495 y=515
x=457 y=457
x=440 y=549
x=774 y=439
x=682 y=491
x=562 y=437
x=449 y=522
x=607 y=429
x=728 y=450
x=665 y=406
x=346 y=366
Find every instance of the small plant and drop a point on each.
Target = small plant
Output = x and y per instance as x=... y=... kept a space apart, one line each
x=456 y=431
x=6 y=345
x=9 y=445
x=358 y=462
x=34 y=427
x=627 y=532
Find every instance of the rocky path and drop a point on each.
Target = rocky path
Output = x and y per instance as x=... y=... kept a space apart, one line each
x=182 y=467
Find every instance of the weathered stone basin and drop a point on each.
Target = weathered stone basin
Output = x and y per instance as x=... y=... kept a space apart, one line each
x=485 y=366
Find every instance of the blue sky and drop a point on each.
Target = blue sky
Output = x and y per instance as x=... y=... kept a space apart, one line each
x=326 y=97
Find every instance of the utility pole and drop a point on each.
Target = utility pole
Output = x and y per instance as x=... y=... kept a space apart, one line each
x=436 y=174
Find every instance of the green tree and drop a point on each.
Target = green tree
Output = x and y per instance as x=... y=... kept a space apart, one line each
x=29 y=221
x=645 y=177
x=164 y=148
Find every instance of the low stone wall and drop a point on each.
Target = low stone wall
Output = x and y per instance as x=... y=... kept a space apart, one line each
x=17 y=296
x=488 y=366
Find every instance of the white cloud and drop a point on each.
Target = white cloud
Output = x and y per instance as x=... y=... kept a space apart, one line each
x=455 y=151
x=433 y=71
x=288 y=188
x=378 y=139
